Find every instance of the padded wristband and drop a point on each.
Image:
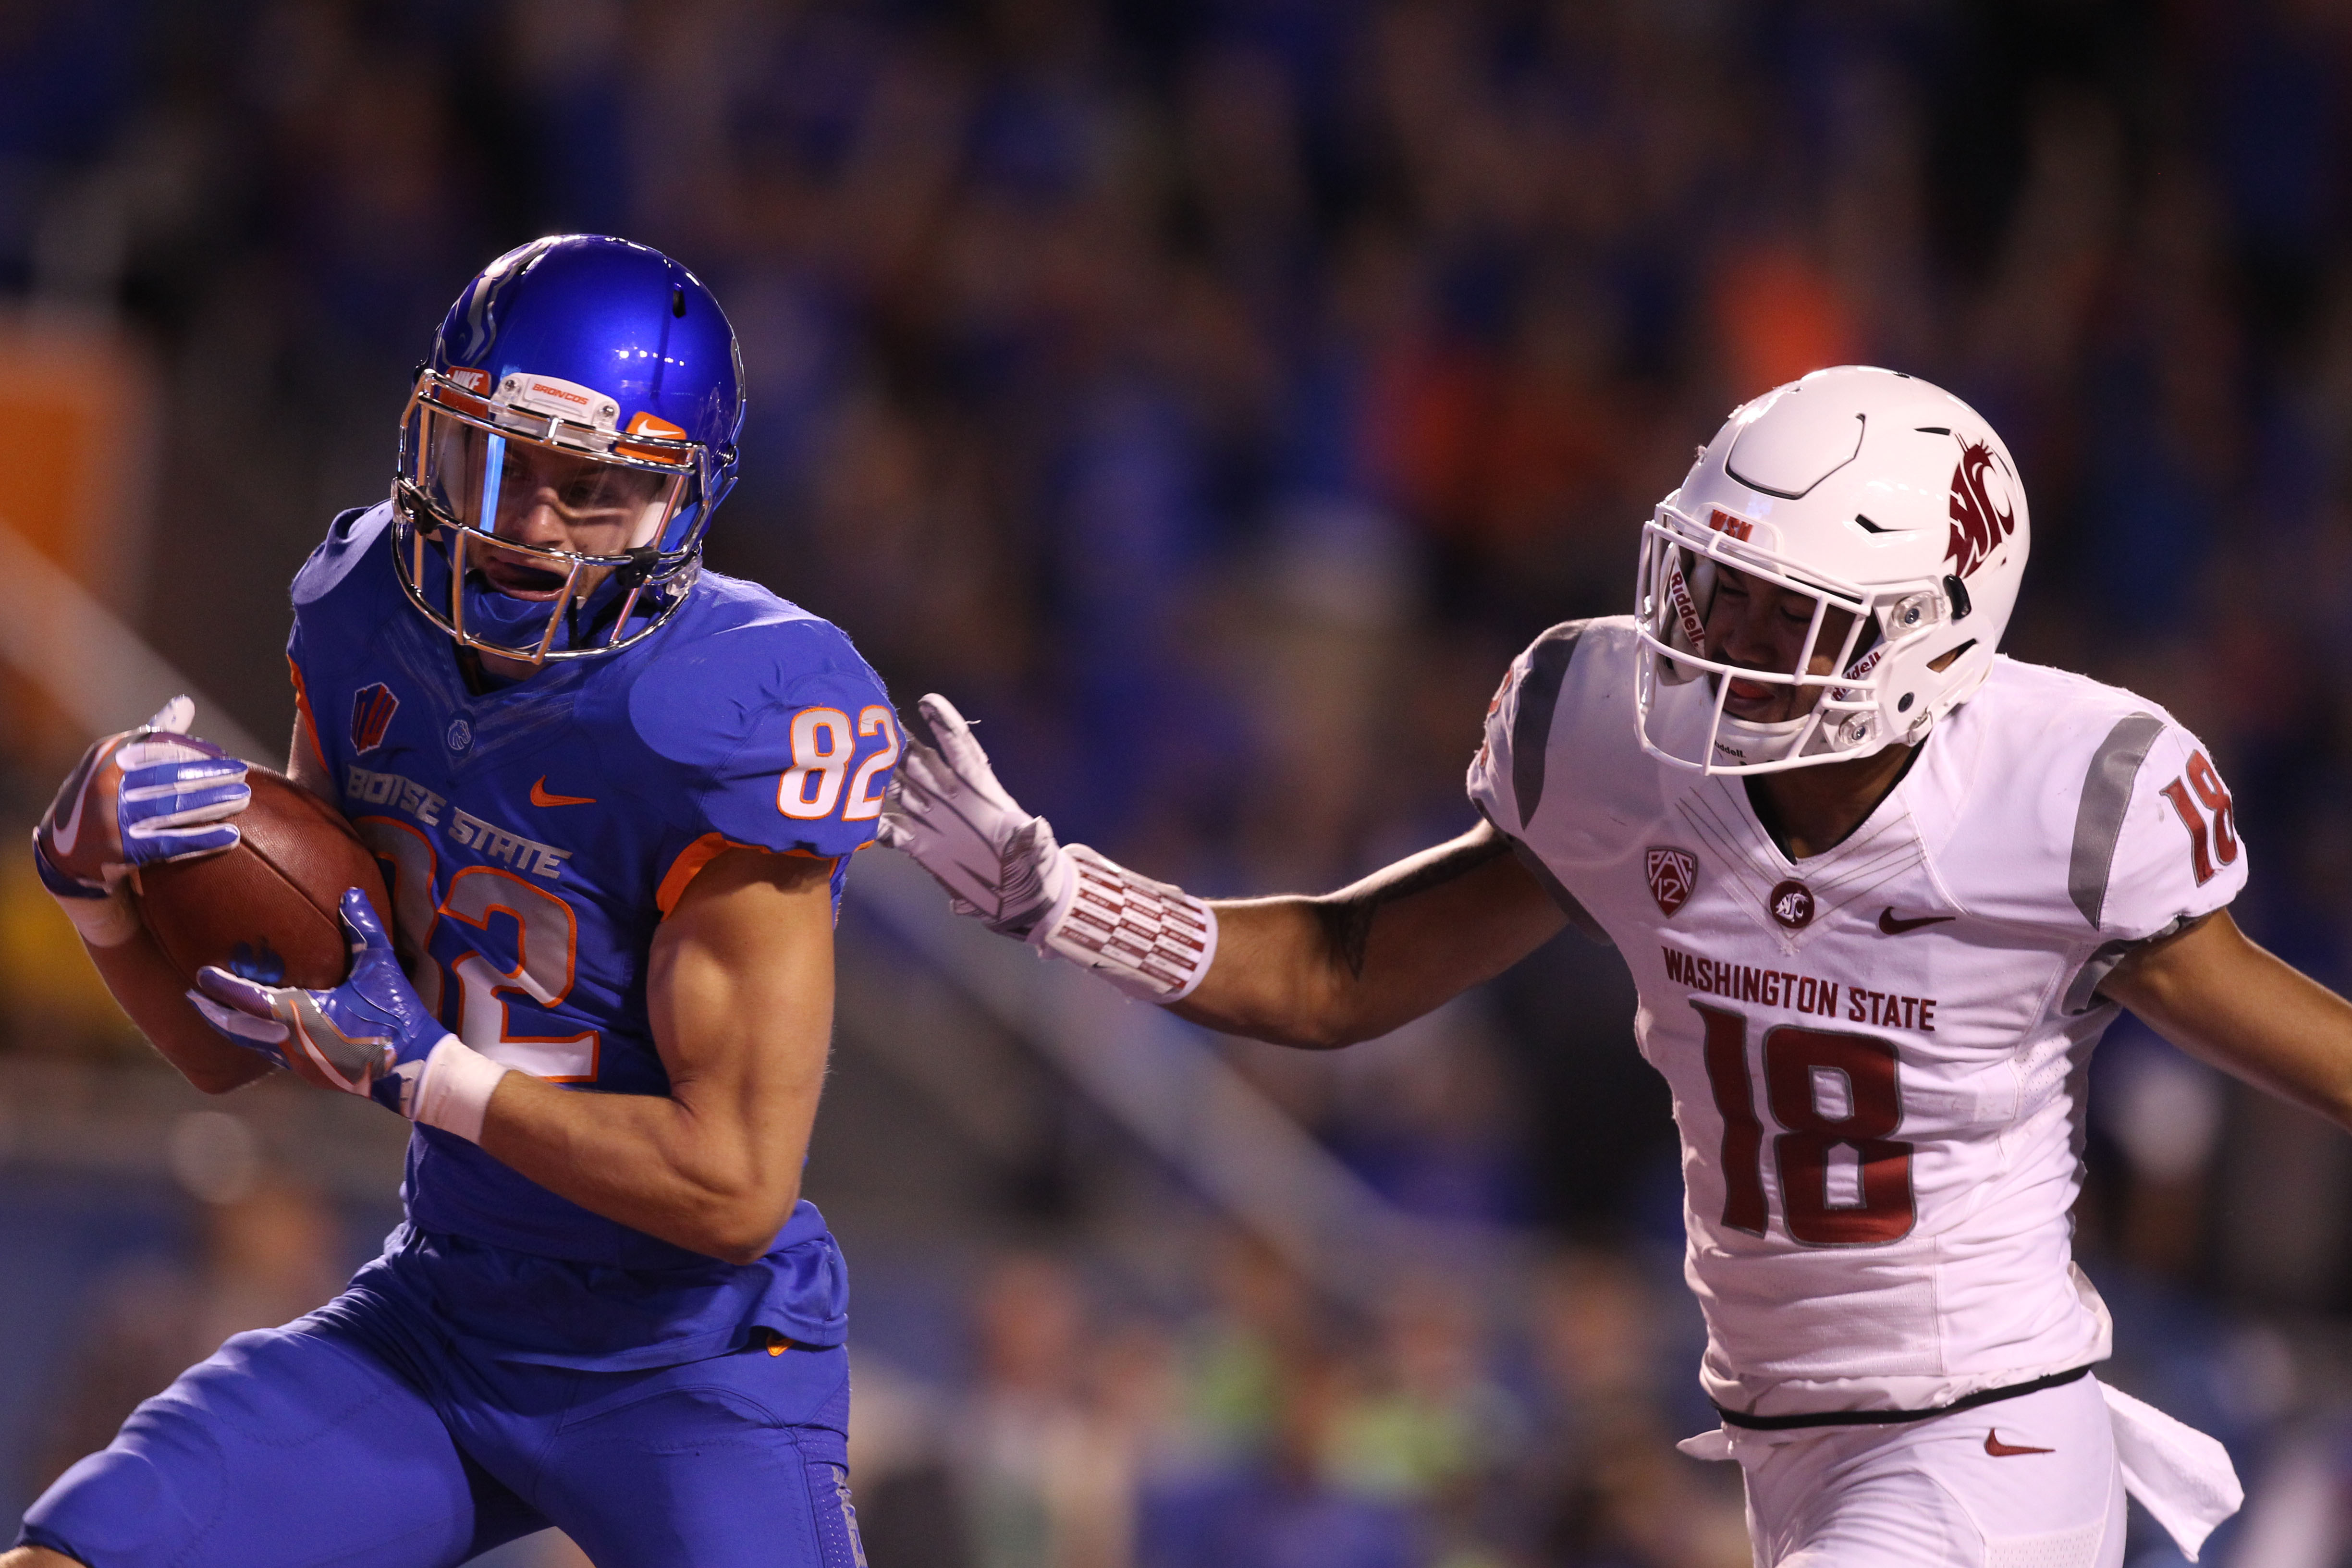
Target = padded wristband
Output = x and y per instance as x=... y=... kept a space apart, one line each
x=454 y=1094
x=1147 y=938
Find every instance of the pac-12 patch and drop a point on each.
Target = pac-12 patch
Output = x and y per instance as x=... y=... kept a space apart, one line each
x=1673 y=877
x=372 y=711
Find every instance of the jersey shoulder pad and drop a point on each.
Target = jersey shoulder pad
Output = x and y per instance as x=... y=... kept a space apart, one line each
x=2082 y=808
x=350 y=537
x=785 y=734
x=1567 y=691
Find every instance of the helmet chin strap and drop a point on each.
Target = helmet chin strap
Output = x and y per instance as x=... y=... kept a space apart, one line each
x=1746 y=741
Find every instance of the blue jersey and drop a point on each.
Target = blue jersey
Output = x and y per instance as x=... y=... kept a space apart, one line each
x=533 y=838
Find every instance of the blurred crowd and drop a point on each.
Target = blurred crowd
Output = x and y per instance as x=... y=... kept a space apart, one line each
x=1211 y=395
x=1257 y=1431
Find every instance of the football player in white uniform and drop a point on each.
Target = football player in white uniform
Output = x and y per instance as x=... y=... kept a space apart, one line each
x=1881 y=890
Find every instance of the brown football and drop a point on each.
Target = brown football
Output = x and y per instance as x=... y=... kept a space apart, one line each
x=266 y=908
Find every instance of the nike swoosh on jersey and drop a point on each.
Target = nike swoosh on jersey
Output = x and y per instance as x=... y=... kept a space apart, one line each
x=2001 y=1451
x=539 y=796
x=1893 y=927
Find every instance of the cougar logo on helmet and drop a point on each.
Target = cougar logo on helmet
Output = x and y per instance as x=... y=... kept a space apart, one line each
x=1979 y=524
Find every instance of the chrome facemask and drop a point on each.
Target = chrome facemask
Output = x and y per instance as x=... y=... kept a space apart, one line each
x=468 y=461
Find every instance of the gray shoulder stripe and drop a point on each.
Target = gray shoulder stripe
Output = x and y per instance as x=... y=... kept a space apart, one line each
x=2099 y=820
x=1539 y=695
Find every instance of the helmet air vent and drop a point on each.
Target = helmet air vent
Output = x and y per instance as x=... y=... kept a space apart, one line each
x=1866 y=525
x=677 y=300
x=1933 y=429
x=1958 y=592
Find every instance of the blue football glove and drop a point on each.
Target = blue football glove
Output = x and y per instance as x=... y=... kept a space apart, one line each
x=171 y=794
x=369 y=1035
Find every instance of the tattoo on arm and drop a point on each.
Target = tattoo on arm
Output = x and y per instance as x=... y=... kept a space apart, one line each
x=1347 y=917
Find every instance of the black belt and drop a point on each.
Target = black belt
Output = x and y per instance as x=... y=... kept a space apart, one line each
x=1894 y=1417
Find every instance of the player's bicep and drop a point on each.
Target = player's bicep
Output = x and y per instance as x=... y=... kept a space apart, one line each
x=2222 y=998
x=740 y=986
x=1413 y=904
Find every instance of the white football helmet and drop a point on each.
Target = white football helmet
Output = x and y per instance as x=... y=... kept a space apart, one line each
x=1874 y=493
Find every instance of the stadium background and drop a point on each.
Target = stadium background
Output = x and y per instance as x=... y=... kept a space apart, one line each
x=1210 y=397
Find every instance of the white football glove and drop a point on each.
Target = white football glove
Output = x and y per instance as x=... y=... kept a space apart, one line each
x=1001 y=863
x=947 y=810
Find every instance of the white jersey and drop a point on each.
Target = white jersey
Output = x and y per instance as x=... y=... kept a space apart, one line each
x=1878 y=1055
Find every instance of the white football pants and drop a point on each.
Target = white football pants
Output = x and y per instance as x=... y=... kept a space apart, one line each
x=2030 y=1482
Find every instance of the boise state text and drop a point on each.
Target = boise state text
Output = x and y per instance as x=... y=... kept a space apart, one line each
x=533 y=836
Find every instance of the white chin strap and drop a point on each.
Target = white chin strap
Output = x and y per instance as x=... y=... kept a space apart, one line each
x=1739 y=743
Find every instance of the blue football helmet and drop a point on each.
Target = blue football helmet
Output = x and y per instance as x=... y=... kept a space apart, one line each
x=563 y=449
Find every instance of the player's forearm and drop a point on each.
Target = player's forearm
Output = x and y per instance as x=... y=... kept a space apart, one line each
x=707 y=1181
x=1274 y=978
x=739 y=992
x=1354 y=964
x=151 y=992
x=2220 y=997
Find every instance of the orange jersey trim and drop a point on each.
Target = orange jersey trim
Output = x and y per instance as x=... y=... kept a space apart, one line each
x=702 y=852
x=309 y=719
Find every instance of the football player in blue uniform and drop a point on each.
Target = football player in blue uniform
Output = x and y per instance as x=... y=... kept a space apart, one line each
x=613 y=795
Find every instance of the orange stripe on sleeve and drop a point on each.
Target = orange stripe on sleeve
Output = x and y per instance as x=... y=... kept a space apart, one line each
x=702 y=852
x=309 y=719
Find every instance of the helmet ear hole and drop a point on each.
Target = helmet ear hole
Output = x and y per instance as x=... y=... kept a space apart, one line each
x=1945 y=661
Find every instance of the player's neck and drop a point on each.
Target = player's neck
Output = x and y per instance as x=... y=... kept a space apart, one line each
x=1809 y=810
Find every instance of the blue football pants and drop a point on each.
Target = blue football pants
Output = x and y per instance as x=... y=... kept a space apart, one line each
x=317 y=1444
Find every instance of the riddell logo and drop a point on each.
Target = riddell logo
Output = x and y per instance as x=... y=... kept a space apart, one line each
x=372 y=711
x=1980 y=521
x=1856 y=671
x=1674 y=876
x=1723 y=521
